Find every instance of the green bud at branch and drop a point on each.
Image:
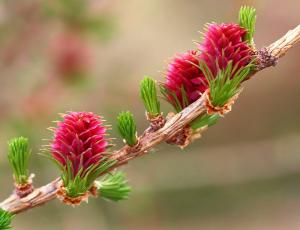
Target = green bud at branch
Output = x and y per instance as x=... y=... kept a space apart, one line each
x=247 y=20
x=18 y=157
x=127 y=128
x=149 y=96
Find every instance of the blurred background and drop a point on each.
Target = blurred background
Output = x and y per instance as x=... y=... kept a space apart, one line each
x=63 y=55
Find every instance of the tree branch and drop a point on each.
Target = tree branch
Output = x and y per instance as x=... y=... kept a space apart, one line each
x=147 y=140
x=279 y=48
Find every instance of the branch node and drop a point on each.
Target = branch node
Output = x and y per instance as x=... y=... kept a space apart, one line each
x=156 y=122
x=135 y=148
x=22 y=190
x=211 y=109
x=186 y=136
x=61 y=194
x=182 y=138
x=94 y=191
x=265 y=59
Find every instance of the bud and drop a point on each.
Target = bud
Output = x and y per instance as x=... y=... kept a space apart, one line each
x=127 y=128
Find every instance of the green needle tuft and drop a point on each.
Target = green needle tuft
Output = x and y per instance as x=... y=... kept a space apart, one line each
x=227 y=82
x=247 y=20
x=149 y=96
x=127 y=128
x=18 y=157
x=205 y=120
x=79 y=184
x=114 y=186
x=5 y=220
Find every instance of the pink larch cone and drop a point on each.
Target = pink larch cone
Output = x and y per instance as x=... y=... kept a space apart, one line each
x=80 y=140
x=222 y=44
x=183 y=73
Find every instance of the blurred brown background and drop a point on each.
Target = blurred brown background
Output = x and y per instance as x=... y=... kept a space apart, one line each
x=243 y=174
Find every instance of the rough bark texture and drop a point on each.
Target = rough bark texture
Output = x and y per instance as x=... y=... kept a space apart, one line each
x=148 y=139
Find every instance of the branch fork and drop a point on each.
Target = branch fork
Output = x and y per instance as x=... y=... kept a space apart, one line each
x=156 y=121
